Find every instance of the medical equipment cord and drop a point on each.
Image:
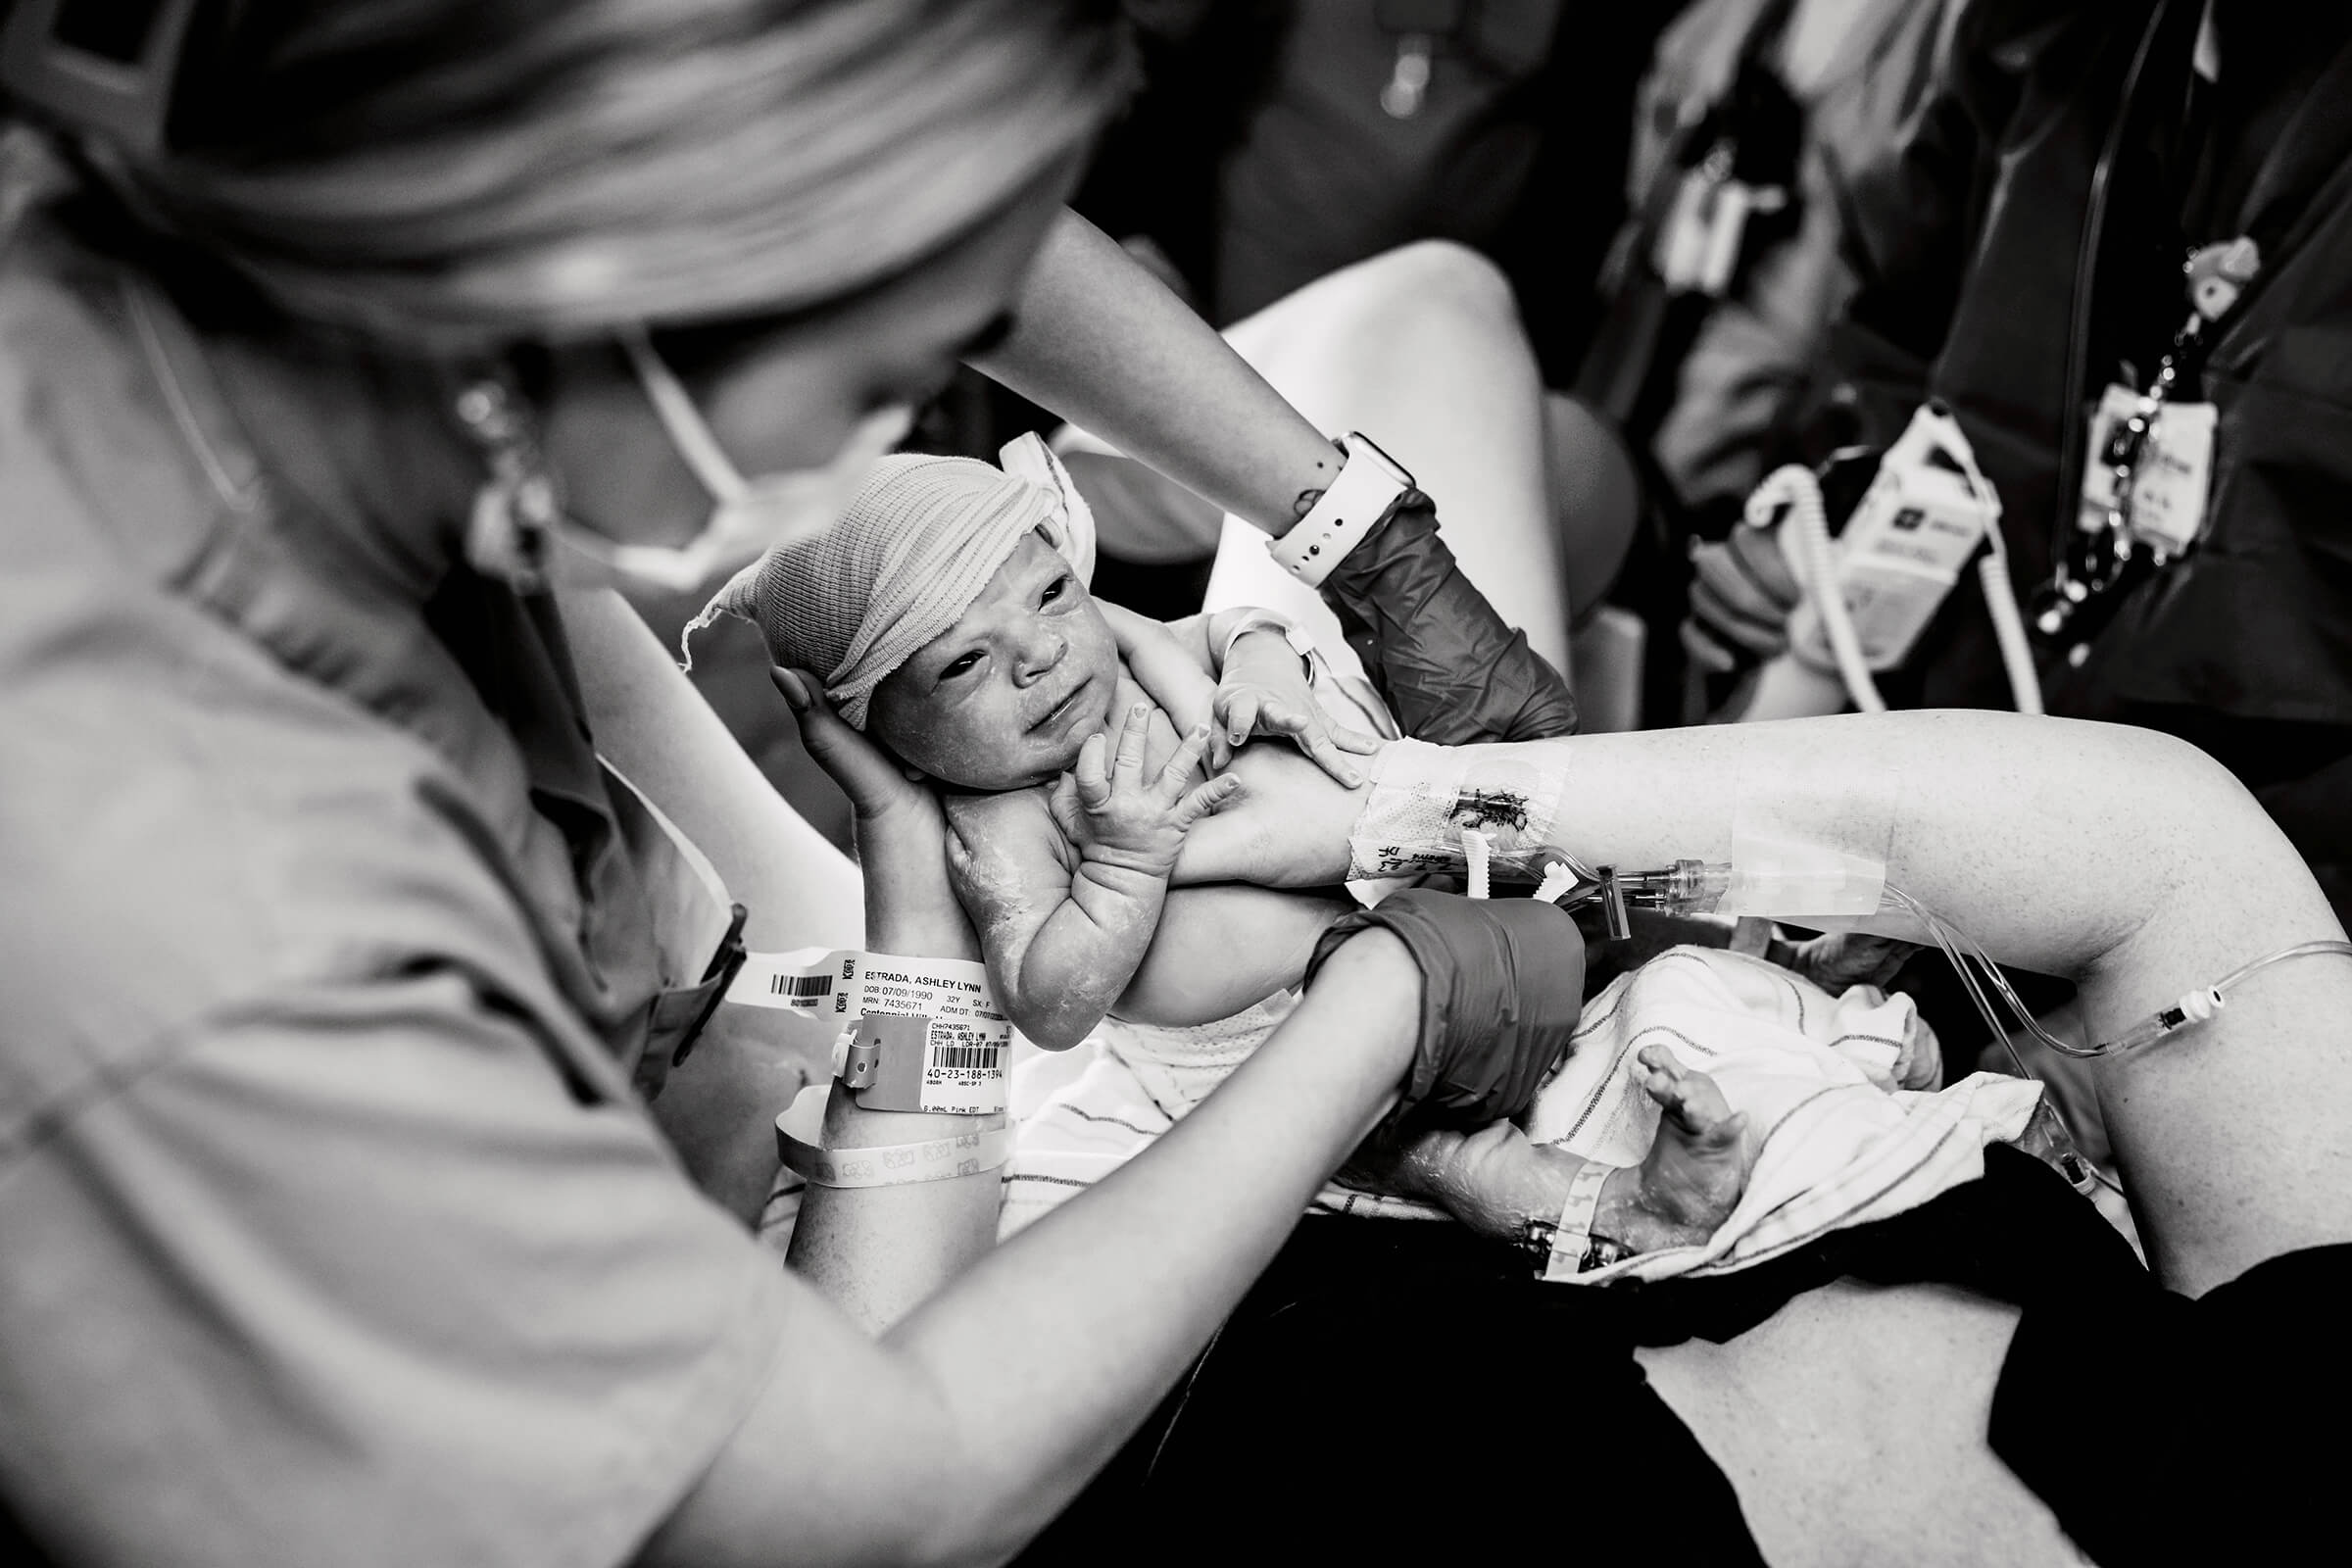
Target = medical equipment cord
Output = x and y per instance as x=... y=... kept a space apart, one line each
x=1797 y=488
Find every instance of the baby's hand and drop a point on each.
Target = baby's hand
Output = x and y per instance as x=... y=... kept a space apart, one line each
x=1117 y=818
x=1263 y=691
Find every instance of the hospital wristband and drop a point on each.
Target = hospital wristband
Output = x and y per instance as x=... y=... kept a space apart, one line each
x=919 y=1033
x=1572 y=1239
x=1368 y=484
x=935 y=1159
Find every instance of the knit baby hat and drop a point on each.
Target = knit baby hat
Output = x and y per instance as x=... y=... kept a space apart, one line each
x=919 y=543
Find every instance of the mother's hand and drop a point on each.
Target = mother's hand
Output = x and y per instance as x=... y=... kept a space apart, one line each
x=1492 y=1179
x=883 y=792
x=902 y=832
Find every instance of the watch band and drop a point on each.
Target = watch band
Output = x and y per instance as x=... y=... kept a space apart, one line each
x=1368 y=483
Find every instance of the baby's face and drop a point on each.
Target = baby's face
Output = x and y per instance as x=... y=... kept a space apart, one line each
x=1004 y=698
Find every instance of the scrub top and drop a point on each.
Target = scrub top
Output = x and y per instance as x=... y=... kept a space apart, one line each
x=332 y=968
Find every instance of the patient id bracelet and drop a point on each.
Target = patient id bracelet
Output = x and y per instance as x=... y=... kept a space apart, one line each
x=1368 y=484
x=935 y=1159
x=916 y=1034
x=1565 y=1248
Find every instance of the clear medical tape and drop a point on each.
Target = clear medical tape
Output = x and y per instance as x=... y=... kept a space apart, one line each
x=1811 y=841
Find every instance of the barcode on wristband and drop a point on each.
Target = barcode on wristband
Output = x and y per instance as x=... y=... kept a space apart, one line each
x=968 y=1058
x=964 y=1065
x=960 y=1067
x=800 y=986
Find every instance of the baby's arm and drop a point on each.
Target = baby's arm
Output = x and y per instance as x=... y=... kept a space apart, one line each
x=1254 y=684
x=1067 y=888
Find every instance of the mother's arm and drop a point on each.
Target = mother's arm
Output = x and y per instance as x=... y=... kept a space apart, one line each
x=1103 y=343
x=998 y=1379
x=2120 y=858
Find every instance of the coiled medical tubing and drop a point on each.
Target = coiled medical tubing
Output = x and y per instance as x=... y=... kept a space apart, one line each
x=1797 y=488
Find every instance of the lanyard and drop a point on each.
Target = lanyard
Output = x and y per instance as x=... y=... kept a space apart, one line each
x=2276 y=218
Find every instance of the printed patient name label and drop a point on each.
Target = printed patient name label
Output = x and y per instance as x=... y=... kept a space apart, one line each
x=967 y=1039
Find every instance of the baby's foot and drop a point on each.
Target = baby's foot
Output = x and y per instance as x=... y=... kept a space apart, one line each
x=1695 y=1169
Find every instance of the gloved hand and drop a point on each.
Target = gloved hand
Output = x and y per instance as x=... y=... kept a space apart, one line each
x=1501 y=983
x=1452 y=669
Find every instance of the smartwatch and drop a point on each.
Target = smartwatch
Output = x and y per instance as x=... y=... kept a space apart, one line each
x=1368 y=484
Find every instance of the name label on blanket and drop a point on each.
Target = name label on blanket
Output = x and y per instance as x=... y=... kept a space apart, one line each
x=966 y=1037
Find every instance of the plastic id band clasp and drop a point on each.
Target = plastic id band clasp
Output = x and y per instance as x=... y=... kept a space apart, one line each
x=1424 y=798
x=918 y=1034
x=1370 y=481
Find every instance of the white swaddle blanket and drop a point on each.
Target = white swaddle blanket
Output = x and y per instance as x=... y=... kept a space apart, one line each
x=1834 y=1140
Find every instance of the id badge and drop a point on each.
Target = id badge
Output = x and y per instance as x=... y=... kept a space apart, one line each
x=2172 y=481
x=1687 y=237
x=1699 y=248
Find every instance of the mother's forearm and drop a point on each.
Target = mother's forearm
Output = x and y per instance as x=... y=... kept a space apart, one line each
x=878 y=1251
x=2051 y=842
x=652 y=725
x=1054 y=1348
x=1105 y=345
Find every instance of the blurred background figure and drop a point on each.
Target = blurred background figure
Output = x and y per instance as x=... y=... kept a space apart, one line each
x=1277 y=142
x=1757 y=121
x=2144 y=209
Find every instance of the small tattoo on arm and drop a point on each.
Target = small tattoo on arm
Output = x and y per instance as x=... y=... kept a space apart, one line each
x=1306 y=503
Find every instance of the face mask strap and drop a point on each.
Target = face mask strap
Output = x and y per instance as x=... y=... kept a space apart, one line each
x=688 y=431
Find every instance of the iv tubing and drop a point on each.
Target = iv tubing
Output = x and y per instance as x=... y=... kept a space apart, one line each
x=2194 y=1008
x=2074 y=1165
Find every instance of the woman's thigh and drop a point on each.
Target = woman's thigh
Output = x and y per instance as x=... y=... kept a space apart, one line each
x=1853 y=1425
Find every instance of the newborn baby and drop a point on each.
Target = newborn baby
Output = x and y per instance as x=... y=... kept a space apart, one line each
x=949 y=618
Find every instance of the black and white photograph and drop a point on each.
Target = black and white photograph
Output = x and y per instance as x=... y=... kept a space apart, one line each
x=1175 y=783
